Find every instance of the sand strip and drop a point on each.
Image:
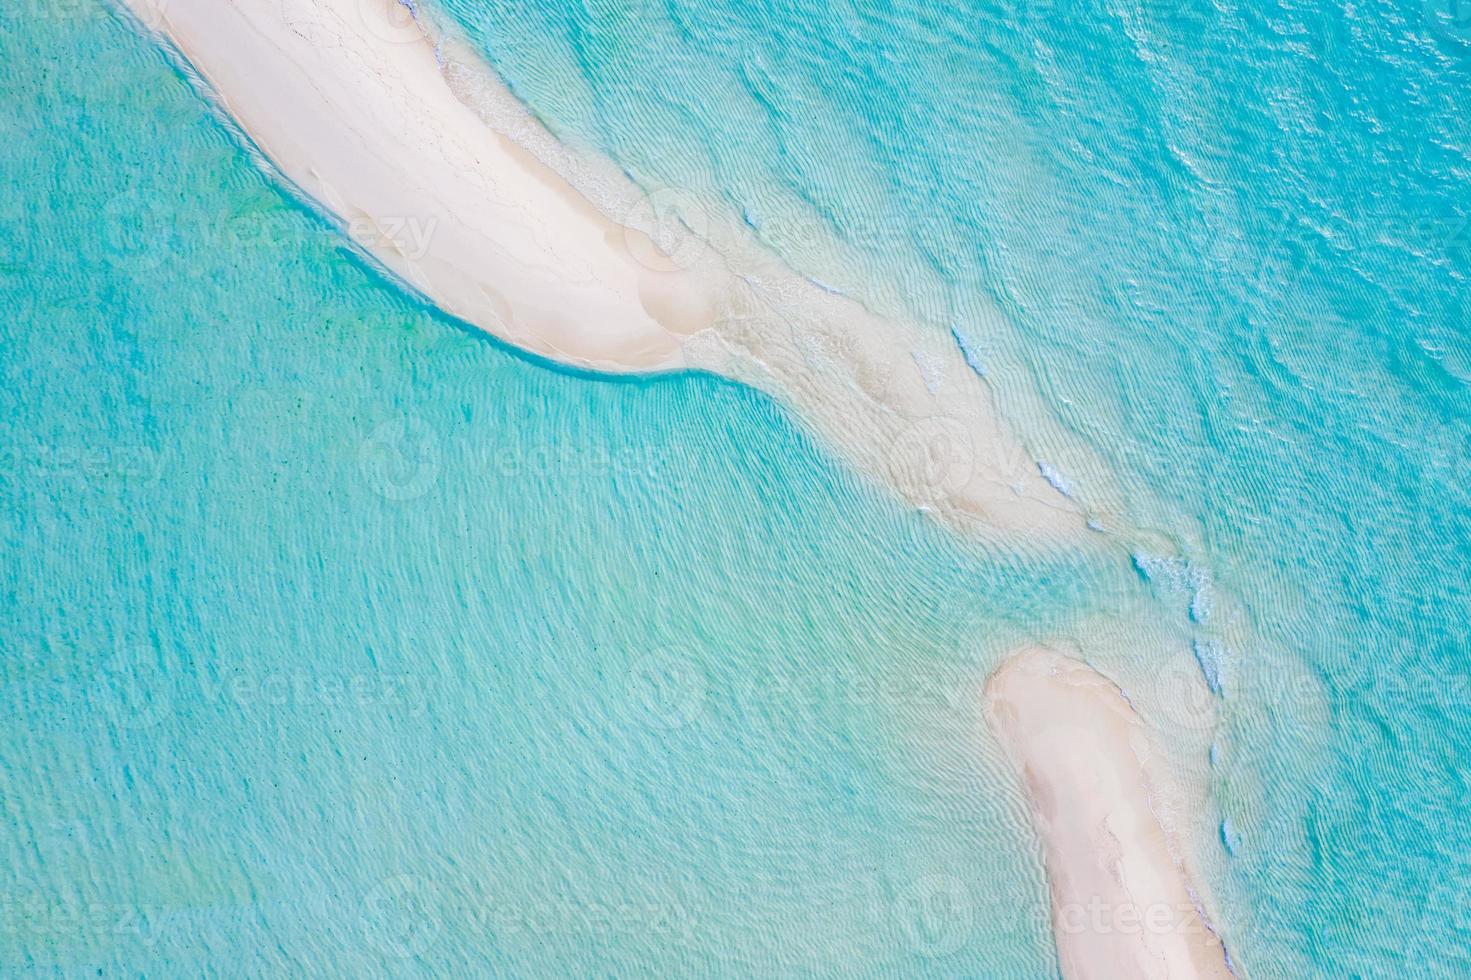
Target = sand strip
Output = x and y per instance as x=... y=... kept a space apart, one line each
x=347 y=99
x=1123 y=903
x=380 y=119
x=352 y=100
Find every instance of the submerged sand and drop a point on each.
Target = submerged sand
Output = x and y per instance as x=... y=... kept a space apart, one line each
x=403 y=137
x=382 y=120
x=1124 y=903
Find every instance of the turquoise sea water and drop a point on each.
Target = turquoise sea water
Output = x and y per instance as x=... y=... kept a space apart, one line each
x=338 y=638
x=1232 y=251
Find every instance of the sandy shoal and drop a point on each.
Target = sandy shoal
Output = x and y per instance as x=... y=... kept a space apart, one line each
x=1123 y=901
x=362 y=107
x=352 y=103
x=347 y=99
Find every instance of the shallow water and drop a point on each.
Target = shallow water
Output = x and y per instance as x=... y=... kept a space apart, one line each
x=339 y=637
x=1231 y=250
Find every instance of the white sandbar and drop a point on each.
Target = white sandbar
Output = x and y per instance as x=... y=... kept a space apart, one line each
x=365 y=108
x=1123 y=901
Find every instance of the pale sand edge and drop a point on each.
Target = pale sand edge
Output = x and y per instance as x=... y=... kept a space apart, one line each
x=1124 y=903
x=354 y=109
